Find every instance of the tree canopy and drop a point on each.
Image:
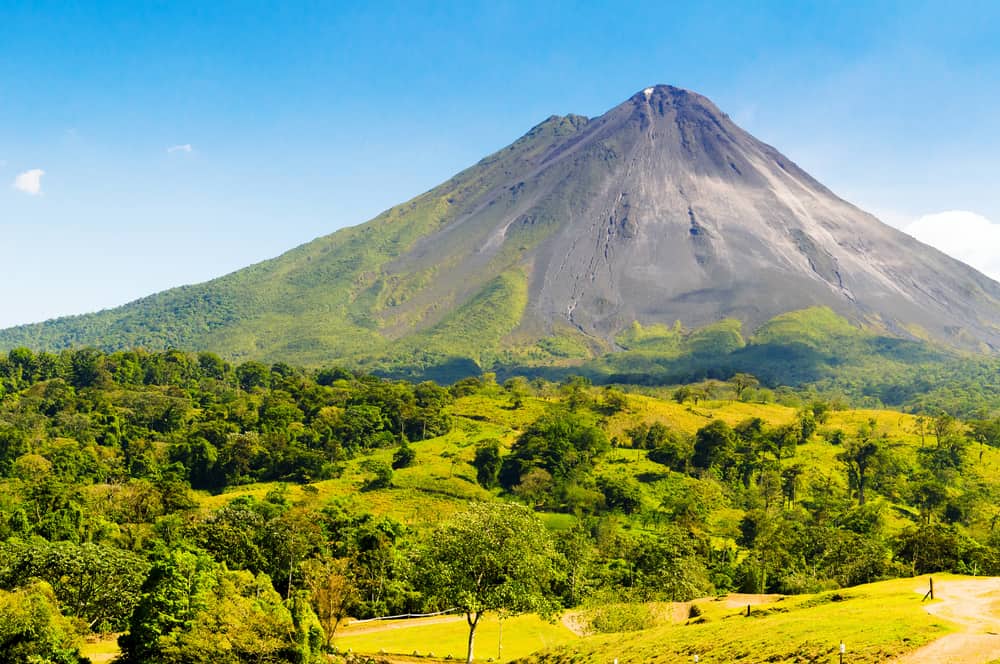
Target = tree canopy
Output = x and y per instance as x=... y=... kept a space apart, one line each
x=491 y=557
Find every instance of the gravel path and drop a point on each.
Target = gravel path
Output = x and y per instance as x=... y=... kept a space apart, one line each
x=974 y=605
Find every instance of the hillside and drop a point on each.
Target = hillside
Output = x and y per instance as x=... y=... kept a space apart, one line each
x=878 y=622
x=660 y=211
x=262 y=485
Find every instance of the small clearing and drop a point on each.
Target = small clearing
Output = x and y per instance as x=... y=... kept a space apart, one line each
x=675 y=612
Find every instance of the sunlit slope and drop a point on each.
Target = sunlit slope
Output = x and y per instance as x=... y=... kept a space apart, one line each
x=875 y=622
x=347 y=294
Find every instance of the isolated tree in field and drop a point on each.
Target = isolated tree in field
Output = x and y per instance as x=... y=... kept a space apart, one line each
x=985 y=432
x=491 y=557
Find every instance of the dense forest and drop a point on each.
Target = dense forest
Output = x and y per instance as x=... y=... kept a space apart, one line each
x=208 y=512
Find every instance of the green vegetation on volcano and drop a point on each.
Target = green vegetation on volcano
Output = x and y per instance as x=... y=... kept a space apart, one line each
x=335 y=298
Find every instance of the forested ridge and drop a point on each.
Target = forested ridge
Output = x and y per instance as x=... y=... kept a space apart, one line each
x=215 y=512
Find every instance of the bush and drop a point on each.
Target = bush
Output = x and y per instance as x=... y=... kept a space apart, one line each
x=487 y=463
x=620 y=617
x=382 y=475
x=403 y=458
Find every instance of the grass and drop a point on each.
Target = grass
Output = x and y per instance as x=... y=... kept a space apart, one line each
x=876 y=622
x=522 y=635
x=100 y=649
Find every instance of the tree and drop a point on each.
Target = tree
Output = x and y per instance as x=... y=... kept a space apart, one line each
x=487 y=462
x=253 y=375
x=741 y=382
x=674 y=453
x=666 y=567
x=932 y=547
x=615 y=401
x=173 y=592
x=862 y=456
x=562 y=443
x=713 y=445
x=32 y=631
x=99 y=584
x=621 y=493
x=575 y=390
x=195 y=611
x=332 y=591
x=381 y=475
x=491 y=557
x=403 y=456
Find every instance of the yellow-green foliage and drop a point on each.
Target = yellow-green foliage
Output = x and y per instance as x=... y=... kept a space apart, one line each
x=875 y=622
x=815 y=326
x=442 y=479
x=716 y=339
x=659 y=337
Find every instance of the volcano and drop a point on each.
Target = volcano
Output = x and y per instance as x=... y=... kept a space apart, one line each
x=660 y=211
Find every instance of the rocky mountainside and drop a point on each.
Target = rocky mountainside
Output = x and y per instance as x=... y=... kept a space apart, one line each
x=660 y=210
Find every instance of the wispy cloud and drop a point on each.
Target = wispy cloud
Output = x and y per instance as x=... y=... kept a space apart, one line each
x=180 y=148
x=30 y=182
x=967 y=236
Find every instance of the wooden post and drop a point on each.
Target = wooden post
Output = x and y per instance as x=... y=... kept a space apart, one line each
x=748 y=610
x=932 y=587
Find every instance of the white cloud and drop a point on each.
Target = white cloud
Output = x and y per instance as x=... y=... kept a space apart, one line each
x=892 y=217
x=180 y=148
x=30 y=182
x=967 y=236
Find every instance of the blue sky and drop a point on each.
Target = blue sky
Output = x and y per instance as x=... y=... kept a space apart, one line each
x=148 y=145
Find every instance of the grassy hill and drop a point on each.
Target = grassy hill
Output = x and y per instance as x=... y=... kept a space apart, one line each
x=650 y=494
x=876 y=622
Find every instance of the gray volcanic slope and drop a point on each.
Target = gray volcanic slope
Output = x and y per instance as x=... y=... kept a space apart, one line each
x=695 y=220
x=660 y=210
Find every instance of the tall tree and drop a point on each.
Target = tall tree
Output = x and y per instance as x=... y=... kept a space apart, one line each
x=862 y=456
x=332 y=591
x=491 y=557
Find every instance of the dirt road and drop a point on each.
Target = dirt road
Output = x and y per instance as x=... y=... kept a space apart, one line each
x=974 y=605
x=383 y=626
